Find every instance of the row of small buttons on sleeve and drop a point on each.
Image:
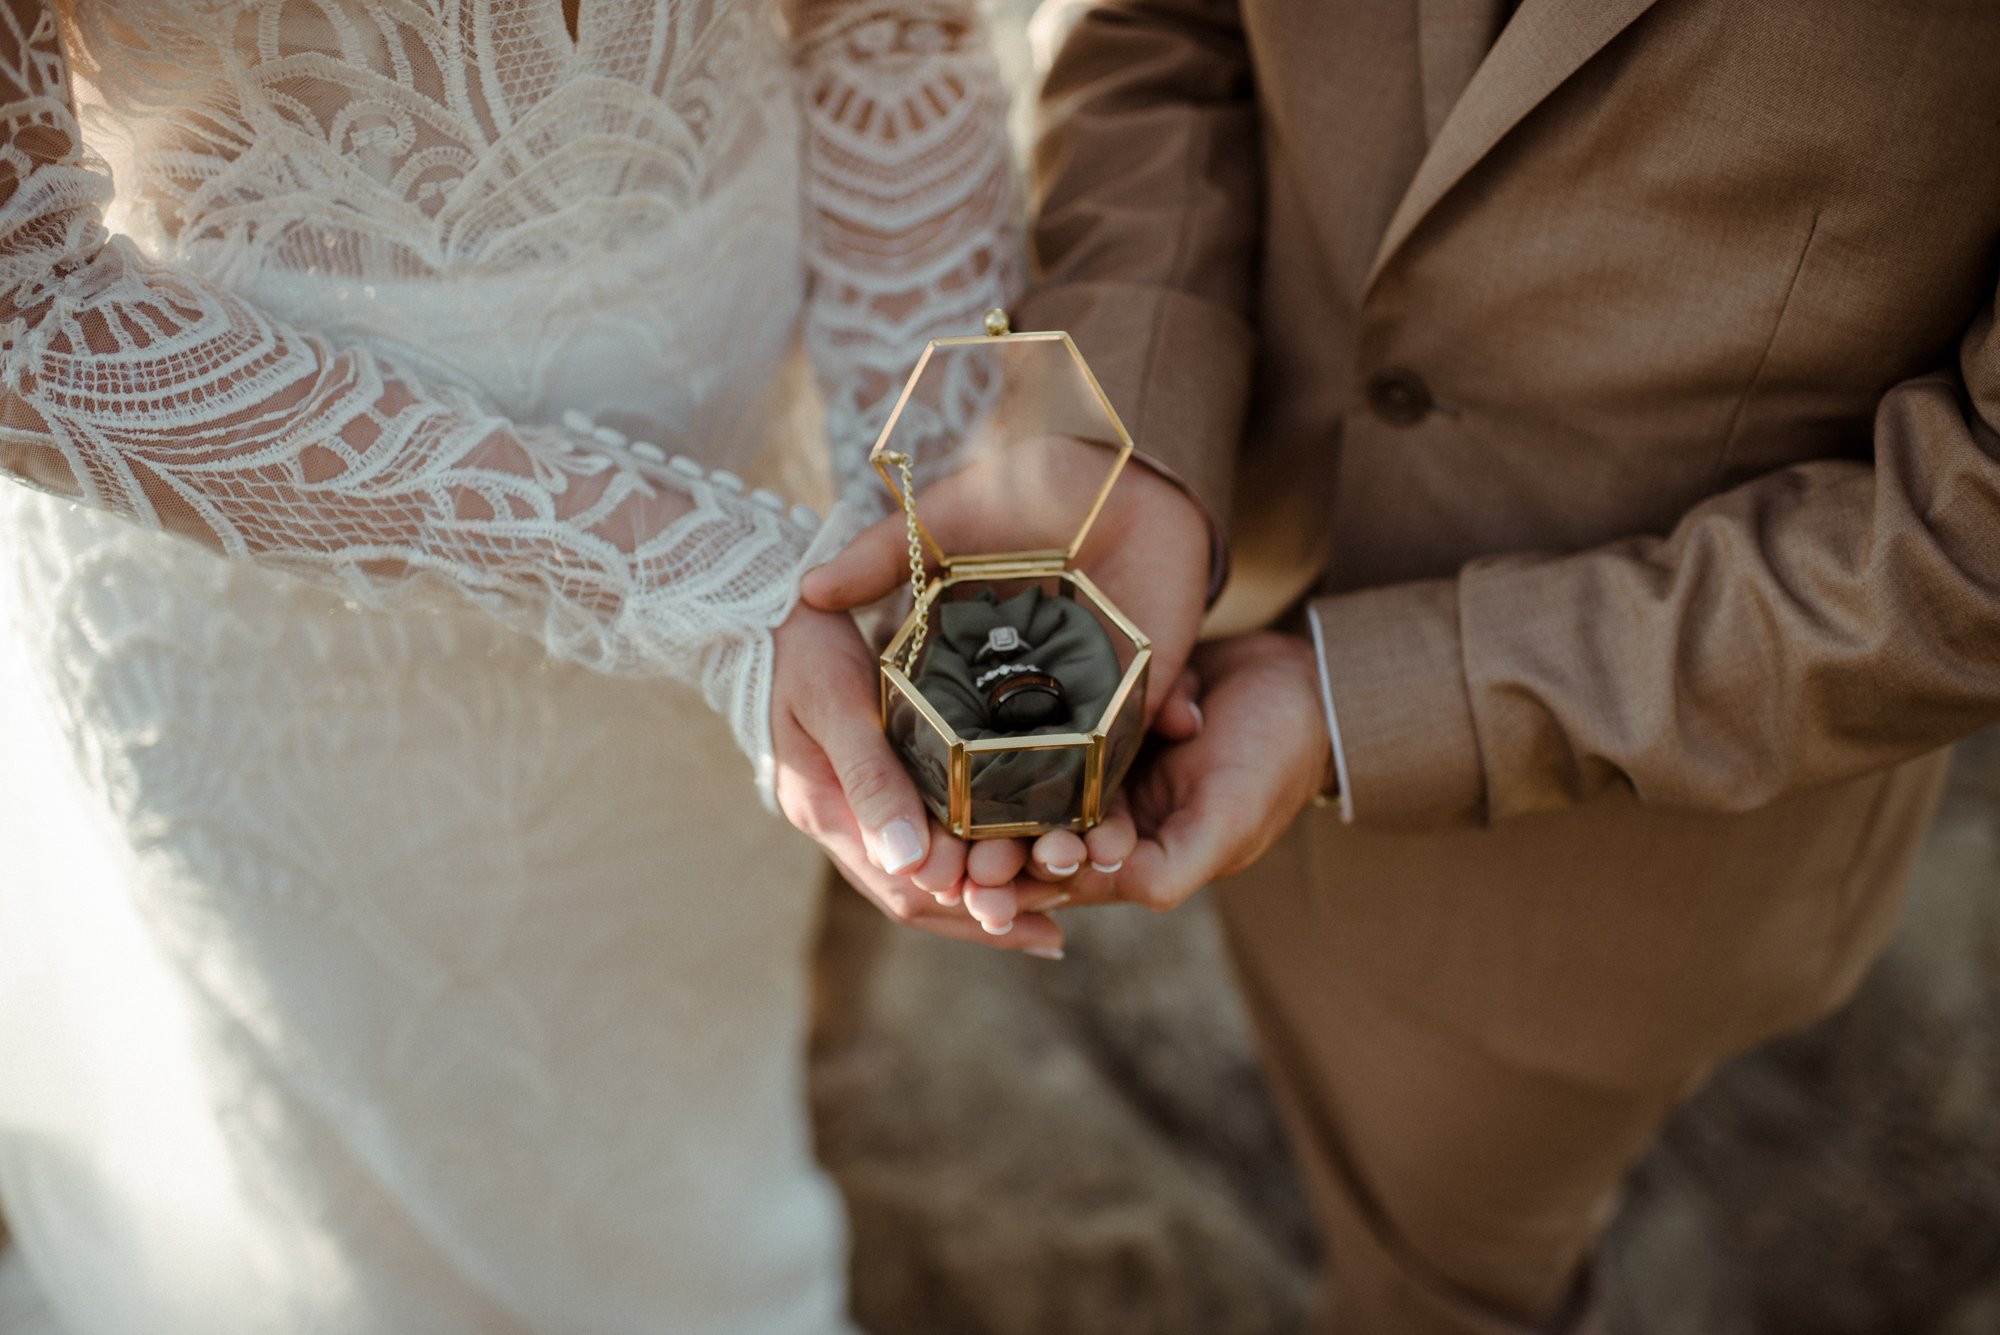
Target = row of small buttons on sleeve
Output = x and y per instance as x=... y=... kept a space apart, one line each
x=802 y=515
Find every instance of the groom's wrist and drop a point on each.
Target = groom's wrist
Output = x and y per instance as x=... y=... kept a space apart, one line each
x=1218 y=547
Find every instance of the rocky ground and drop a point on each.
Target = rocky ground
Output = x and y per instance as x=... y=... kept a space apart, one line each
x=1086 y=1147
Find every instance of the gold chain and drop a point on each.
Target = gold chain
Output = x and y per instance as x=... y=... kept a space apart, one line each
x=918 y=577
x=996 y=327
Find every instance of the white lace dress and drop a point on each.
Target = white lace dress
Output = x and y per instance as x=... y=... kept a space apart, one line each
x=390 y=936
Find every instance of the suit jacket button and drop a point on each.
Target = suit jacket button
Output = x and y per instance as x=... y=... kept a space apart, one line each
x=1399 y=397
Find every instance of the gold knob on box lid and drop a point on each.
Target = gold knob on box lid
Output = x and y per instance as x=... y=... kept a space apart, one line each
x=997 y=324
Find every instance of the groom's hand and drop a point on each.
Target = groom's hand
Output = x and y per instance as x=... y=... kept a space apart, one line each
x=1208 y=807
x=839 y=782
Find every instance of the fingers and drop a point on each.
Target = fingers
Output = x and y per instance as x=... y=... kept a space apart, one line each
x=996 y=890
x=1038 y=898
x=894 y=825
x=1027 y=933
x=871 y=567
x=1057 y=856
x=1105 y=848
x=943 y=868
x=978 y=881
x=900 y=901
x=1032 y=934
x=893 y=895
x=1194 y=840
x=1061 y=868
x=996 y=908
x=1110 y=842
x=995 y=862
x=1179 y=719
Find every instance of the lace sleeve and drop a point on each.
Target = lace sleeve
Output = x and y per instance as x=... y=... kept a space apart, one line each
x=913 y=213
x=153 y=393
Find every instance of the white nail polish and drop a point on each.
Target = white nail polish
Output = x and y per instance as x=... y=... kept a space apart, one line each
x=1106 y=868
x=1044 y=952
x=1069 y=870
x=998 y=928
x=1195 y=710
x=901 y=848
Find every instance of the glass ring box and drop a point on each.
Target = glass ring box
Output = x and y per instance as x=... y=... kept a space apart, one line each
x=1014 y=690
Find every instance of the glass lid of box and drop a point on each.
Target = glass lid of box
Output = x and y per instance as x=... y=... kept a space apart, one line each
x=1023 y=403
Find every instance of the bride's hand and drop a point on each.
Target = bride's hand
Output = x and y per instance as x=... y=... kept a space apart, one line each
x=839 y=781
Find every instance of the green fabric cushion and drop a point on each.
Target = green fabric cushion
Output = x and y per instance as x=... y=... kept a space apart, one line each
x=1065 y=640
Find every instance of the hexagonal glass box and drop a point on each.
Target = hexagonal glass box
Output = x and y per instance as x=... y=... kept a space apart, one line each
x=1029 y=405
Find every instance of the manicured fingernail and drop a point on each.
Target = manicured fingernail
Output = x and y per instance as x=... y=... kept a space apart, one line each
x=950 y=896
x=1070 y=870
x=998 y=928
x=1050 y=904
x=900 y=846
x=1044 y=952
x=1195 y=710
x=1106 y=868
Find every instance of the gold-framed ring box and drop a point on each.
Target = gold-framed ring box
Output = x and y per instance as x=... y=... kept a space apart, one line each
x=1028 y=405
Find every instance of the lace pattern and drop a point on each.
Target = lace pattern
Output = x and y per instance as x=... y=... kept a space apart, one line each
x=449 y=142
x=904 y=104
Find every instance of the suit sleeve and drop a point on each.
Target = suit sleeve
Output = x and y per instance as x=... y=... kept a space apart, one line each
x=1827 y=619
x=1147 y=184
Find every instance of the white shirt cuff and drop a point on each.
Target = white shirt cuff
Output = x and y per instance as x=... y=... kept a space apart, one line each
x=1332 y=720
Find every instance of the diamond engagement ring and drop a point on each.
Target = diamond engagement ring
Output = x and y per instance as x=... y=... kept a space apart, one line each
x=1000 y=640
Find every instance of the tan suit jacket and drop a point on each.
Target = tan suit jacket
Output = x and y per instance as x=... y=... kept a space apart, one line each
x=1631 y=404
x=1623 y=394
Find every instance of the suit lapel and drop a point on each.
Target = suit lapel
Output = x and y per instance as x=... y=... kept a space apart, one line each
x=1453 y=37
x=1547 y=41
